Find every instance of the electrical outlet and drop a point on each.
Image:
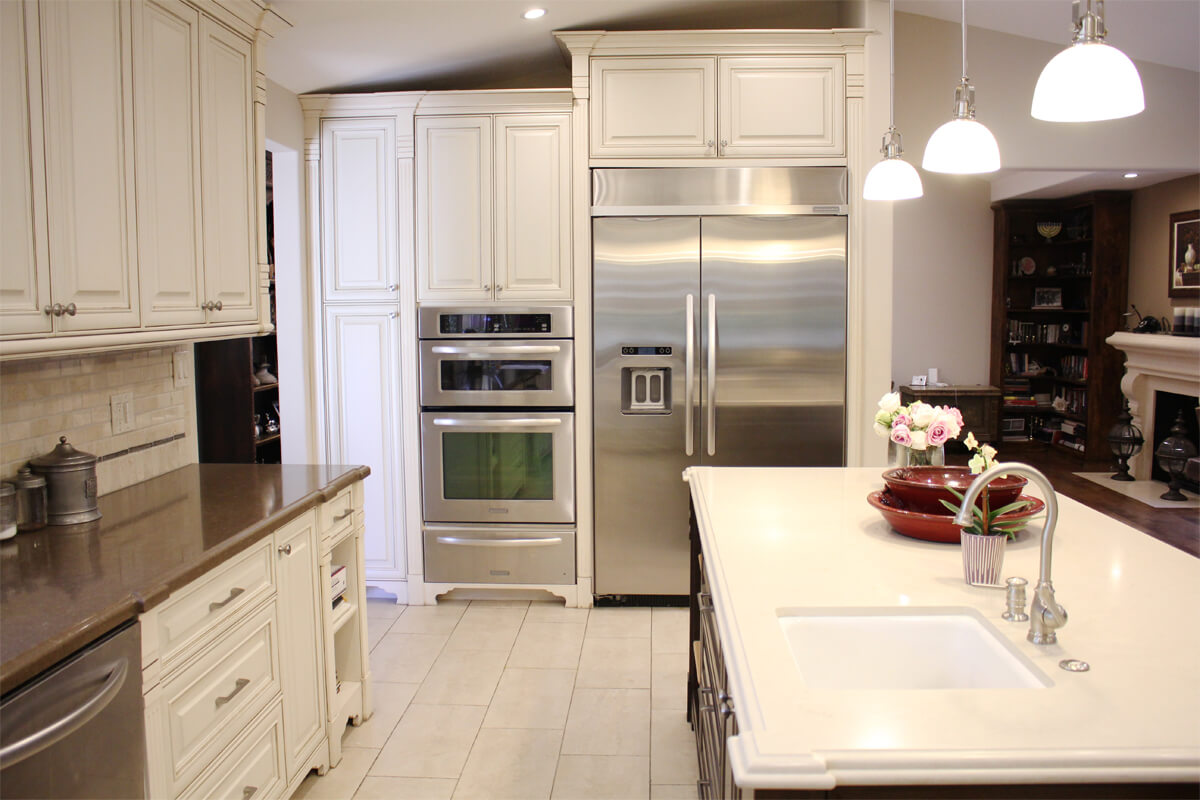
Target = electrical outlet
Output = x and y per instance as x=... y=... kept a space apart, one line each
x=182 y=368
x=121 y=409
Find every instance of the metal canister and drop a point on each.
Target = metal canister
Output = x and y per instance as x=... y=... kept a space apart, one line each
x=70 y=484
x=31 y=500
x=8 y=510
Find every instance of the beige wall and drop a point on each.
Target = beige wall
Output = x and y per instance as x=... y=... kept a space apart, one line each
x=1148 y=243
x=44 y=398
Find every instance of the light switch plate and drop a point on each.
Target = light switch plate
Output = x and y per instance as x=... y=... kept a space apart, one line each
x=182 y=368
x=121 y=409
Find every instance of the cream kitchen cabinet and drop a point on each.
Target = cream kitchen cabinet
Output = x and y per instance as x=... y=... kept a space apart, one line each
x=110 y=244
x=718 y=107
x=493 y=207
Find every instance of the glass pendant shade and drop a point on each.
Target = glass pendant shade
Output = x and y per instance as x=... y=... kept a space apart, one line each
x=892 y=179
x=962 y=147
x=1088 y=82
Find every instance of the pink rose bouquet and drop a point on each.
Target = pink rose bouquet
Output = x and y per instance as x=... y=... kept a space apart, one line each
x=918 y=426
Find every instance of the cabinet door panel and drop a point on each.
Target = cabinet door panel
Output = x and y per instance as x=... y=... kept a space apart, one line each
x=654 y=107
x=300 y=641
x=359 y=209
x=166 y=124
x=24 y=269
x=533 y=207
x=88 y=117
x=227 y=162
x=363 y=398
x=454 y=207
x=786 y=106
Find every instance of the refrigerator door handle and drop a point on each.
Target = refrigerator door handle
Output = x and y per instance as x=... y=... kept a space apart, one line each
x=711 y=405
x=689 y=371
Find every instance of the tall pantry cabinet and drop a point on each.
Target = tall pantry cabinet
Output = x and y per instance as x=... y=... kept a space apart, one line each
x=359 y=166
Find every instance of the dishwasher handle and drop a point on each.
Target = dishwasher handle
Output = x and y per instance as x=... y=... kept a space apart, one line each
x=64 y=726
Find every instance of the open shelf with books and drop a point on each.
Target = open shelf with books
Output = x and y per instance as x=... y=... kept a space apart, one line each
x=1060 y=276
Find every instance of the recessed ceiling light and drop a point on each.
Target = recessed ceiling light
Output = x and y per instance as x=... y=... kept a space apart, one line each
x=1131 y=174
x=534 y=13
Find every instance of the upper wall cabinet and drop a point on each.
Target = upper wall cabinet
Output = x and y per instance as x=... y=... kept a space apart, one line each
x=358 y=209
x=493 y=207
x=129 y=130
x=718 y=107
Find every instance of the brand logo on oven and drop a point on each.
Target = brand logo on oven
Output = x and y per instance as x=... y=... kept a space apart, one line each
x=497 y=510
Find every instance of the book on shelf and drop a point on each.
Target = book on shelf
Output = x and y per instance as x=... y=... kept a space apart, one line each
x=1074 y=367
x=1073 y=333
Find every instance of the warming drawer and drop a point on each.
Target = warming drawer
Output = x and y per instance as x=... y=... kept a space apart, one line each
x=499 y=554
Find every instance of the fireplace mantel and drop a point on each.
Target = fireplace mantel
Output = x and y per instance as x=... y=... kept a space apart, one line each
x=1155 y=363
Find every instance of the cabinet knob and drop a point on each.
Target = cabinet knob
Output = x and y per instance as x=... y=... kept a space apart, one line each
x=487 y=287
x=53 y=310
x=724 y=144
x=392 y=287
x=709 y=144
x=206 y=306
x=70 y=310
x=285 y=550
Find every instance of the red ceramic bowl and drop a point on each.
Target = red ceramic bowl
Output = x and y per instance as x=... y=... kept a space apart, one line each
x=934 y=527
x=920 y=488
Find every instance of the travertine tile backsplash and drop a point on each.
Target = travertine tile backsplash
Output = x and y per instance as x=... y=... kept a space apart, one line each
x=42 y=399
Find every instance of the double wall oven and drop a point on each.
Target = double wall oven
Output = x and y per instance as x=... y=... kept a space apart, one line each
x=498 y=444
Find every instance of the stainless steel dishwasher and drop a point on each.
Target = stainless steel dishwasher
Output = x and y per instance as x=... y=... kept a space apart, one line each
x=78 y=730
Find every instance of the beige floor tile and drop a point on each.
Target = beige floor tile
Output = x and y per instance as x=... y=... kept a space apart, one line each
x=405 y=657
x=531 y=698
x=669 y=630
x=379 y=788
x=429 y=742
x=555 y=612
x=380 y=608
x=462 y=678
x=482 y=634
x=376 y=630
x=341 y=781
x=439 y=619
x=614 y=664
x=668 y=681
x=672 y=749
x=608 y=722
x=500 y=602
x=602 y=778
x=552 y=645
x=671 y=791
x=495 y=614
x=619 y=622
x=391 y=701
x=516 y=764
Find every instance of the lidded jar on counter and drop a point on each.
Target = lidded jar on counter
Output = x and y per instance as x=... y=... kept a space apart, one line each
x=71 y=489
x=31 y=500
x=8 y=510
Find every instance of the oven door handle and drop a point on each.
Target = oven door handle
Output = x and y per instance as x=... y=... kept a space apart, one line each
x=483 y=351
x=67 y=724
x=523 y=542
x=449 y=422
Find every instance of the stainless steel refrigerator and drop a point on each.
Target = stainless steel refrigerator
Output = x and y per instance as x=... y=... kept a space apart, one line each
x=720 y=339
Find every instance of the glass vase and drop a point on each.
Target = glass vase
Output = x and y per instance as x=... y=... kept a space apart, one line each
x=901 y=456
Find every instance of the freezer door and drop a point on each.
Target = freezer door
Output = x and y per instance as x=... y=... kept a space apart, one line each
x=773 y=298
x=646 y=277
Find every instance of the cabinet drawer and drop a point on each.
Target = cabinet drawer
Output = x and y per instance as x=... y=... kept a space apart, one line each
x=338 y=513
x=202 y=606
x=206 y=705
x=251 y=768
x=461 y=554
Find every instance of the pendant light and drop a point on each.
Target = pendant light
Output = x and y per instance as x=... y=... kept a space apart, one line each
x=962 y=146
x=893 y=178
x=1090 y=80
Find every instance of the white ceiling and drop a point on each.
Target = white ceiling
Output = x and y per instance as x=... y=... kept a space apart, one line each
x=374 y=45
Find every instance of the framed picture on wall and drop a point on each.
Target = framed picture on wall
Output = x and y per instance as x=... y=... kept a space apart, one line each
x=1184 y=273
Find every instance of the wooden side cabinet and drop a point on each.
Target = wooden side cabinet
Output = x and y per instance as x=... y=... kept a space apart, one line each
x=980 y=406
x=237 y=413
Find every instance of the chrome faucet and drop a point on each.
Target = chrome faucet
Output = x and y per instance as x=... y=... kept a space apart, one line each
x=1045 y=614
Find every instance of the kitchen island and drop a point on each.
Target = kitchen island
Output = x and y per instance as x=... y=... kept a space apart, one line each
x=781 y=542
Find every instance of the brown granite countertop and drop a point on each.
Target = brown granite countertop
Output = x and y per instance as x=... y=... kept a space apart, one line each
x=63 y=586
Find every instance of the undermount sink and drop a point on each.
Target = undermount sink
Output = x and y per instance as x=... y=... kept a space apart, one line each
x=904 y=648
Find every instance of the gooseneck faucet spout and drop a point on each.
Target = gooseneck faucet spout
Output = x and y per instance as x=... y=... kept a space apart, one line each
x=1045 y=614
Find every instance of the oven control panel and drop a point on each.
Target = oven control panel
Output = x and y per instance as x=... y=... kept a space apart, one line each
x=446 y=322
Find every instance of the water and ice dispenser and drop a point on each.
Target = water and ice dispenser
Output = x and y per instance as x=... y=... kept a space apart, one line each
x=645 y=390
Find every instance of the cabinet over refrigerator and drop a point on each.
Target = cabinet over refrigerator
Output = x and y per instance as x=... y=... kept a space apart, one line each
x=720 y=339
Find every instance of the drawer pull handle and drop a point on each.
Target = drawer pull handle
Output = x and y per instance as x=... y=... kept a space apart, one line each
x=234 y=592
x=285 y=550
x=248 y=792
x=341 y=517
x=242 y=683
x=530 y=542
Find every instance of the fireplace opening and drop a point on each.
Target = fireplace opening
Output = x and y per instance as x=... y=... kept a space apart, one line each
x=1167 y=406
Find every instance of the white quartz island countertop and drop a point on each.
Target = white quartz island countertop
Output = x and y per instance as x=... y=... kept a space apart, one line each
x=776 y=539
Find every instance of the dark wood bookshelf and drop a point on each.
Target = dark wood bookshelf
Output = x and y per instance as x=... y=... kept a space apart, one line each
x=229 y=397
x=1085 y=269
